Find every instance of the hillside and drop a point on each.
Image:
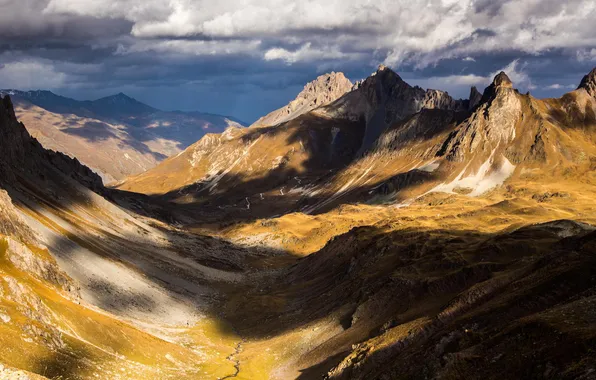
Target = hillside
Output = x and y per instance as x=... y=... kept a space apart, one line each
x=116 y=136
x=309 y=144
x=392 y=233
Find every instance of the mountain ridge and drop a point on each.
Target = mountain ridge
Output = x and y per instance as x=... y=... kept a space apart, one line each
x=451 y=130
x=117 y=135
x=460 y=244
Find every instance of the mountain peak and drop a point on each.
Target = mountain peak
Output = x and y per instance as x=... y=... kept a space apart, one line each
x=382 y=67
x=474 y=99
x=119 y=97
x=589 y=82
x=323 y=90
x=502 y=80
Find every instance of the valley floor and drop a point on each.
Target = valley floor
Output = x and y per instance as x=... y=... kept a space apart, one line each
x=444 y=287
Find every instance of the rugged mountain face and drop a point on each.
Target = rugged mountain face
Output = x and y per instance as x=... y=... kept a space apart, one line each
x=321 y=91
x=474 y=99
x=23 y=155
x=296 y=156
x=383 y=99
x=461 y=244
x=117 y=136
x=588 y=83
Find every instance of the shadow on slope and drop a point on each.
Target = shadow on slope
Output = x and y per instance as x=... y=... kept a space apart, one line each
x=532 y=320
x=330 y=147
x=412 y=289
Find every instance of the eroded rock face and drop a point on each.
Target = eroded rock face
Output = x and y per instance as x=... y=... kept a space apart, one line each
x=492 y=124
x=436 y=99
x=589 y=82
x=475 y=97
x=323 y=90
x=385 y=98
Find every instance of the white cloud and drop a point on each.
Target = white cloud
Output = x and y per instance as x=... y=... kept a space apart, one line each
x=586 y=55
x=28 y=75
x=404 y=31
x=557 y=86
x=469 y=59
x=306 y=53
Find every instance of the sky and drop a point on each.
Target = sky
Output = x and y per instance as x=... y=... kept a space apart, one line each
x=244 y=58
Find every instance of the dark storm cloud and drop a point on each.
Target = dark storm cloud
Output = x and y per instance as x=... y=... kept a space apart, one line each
x=217 y=57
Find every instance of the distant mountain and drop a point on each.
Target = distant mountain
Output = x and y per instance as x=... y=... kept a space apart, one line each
x=117 y=136
x=327 y=126
x=384 y=139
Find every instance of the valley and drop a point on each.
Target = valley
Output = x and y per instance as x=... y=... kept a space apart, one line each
x=391 y=232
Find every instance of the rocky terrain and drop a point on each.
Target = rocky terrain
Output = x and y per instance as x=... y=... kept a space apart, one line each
x=389 y=233
x=323 y=90
x=116 y=136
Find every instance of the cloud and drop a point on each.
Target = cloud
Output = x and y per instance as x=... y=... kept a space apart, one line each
x=190 y=47
x=30 y=75
x=586 y=55
x=307 y=53
x=406 y=31
x=557 y=86
x=233 y=47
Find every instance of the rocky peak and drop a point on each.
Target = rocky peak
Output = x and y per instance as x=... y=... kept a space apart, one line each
x=326 y=88
x=383 y=99
x=491 y=124
x=502 y=80
x=588 y=83
x=474 y=98
x=500 y=83
x=323 y=90
x=437 y=99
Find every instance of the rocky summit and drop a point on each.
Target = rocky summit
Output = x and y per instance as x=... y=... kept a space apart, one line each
x=323 y=90
x=374 y=230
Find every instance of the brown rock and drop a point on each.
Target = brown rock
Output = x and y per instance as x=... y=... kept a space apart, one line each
x=323 y=90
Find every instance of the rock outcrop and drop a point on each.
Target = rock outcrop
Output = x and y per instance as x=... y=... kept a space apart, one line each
x=492 y=124
x=323 y=90
x=588 y=83
x=23 y=154
x=475 y=97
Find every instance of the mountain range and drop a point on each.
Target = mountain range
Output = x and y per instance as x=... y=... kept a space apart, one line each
x=117 y=136
x=374 y=230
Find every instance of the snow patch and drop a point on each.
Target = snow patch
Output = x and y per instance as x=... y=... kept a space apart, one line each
x=484 y=180
x=430 y=167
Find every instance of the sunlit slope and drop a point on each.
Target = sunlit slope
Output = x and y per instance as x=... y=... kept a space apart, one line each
x=461 y=245
x=87 y=290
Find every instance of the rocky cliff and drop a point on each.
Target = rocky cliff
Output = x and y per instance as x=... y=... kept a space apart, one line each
x=23 y=155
